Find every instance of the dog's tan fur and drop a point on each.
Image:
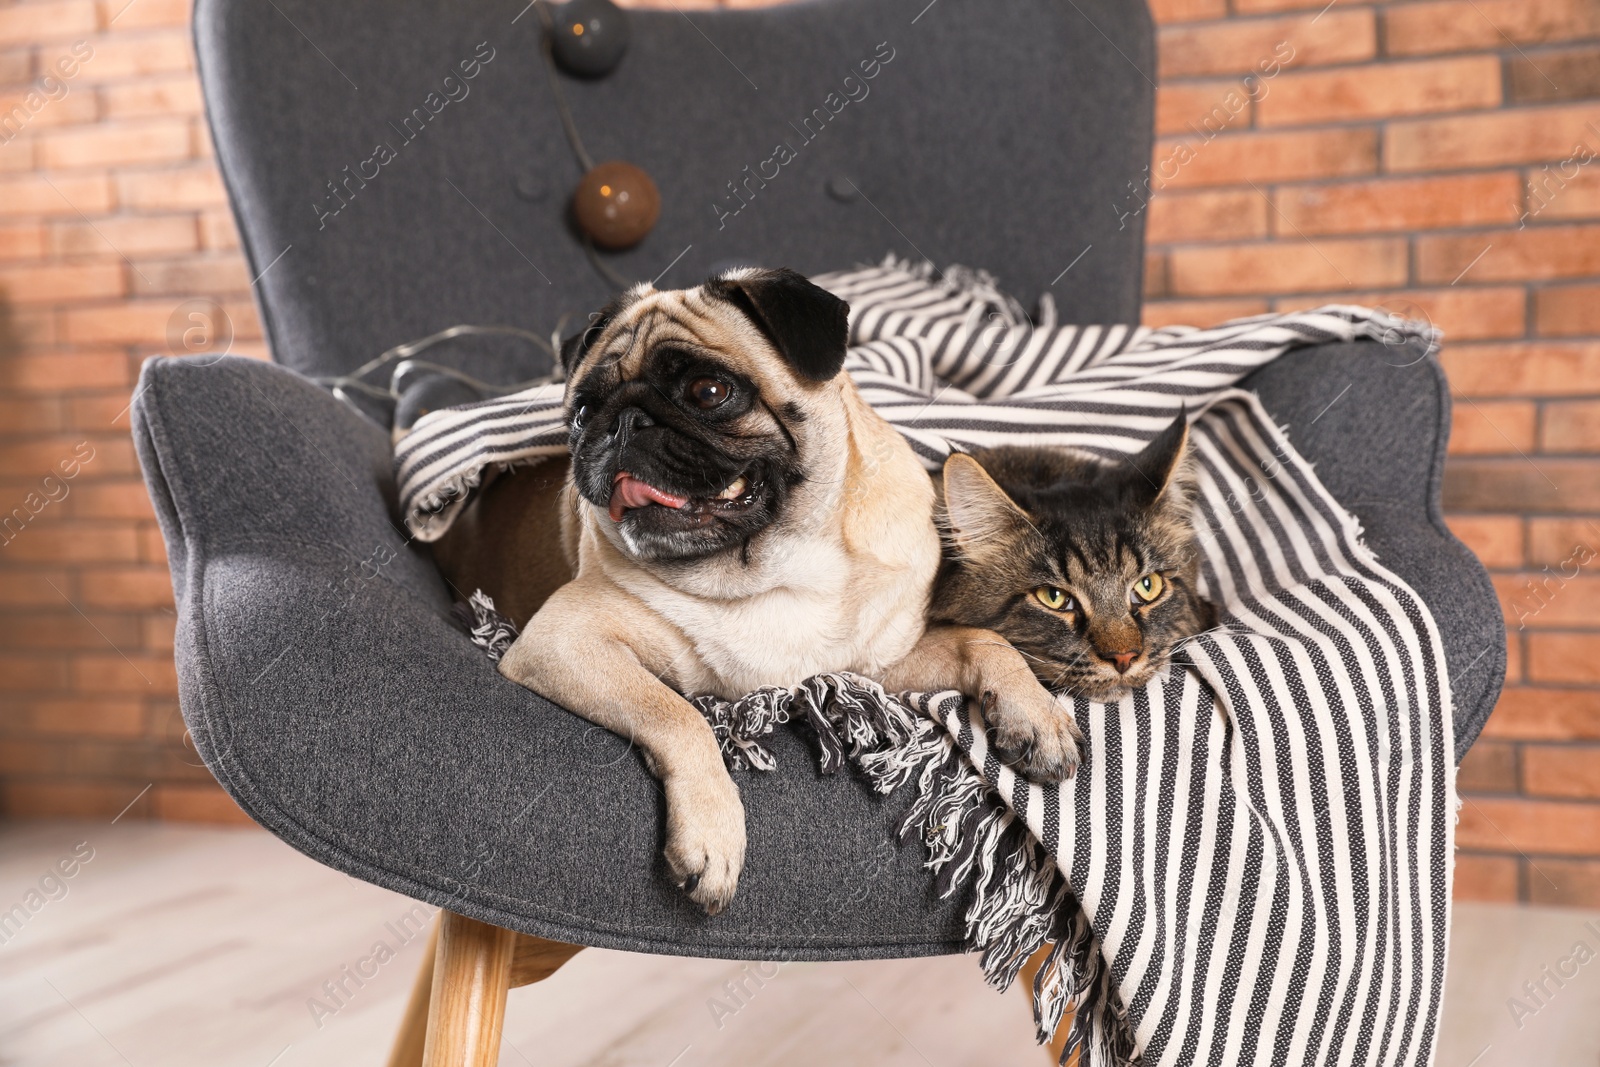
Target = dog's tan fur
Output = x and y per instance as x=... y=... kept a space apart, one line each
x=839 y=582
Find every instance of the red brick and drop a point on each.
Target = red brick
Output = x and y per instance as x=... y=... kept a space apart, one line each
x=66 y=630
x=1288 y=267
x=1551 y=368
x=1531 y=714
x=1564 y=658
x=217 y=231
x=1471 y=25
x=21 y=242
x=58 y=284
x=1489 y=767
x=127 y=587
x=1381 y=91
x=1523 y=135
x=1399 y=204
x=152 y=97
x=124 y=15
x=1199 y=312
x=1252 y=46
x=186 y=188
x=99 y=717
x=126 y=236
x=1560 y=197
x=1567 y=311
x=77 y=799
x=60 y=194
x=1561 y=771
x=1169 y=11
x=1510 y=255
x=1557 y=541
x=1551 y=600
x=1492 y=428
x=31 y=415
x=1564 y=883
x=192 y=276
x=1571 y=426
x=32 y=23
x=76 y=370
x=198 y=804
x=1463 y=313
x=144 y=322
x=99 y=412
x=1486 y=878
x=22 y=673
x=16 y=65
x=121 y=499
x=140 y=55
x=1264 y=157
x=28 y=110
x=1252 y=7
x=1176 y=217
x=158 y=141
x=160 y=632
x=1571 y=74
x=131 y=673
x=1551 y=484
x=1543 y=826
x=35 y=587
x=1183 y=105
x=1496 y=540
x=99 y=543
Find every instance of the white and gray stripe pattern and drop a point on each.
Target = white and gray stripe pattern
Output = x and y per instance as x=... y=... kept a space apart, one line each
x=1261 y=839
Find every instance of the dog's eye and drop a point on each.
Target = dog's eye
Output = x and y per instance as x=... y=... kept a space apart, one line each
x=579 y=414
x=707 y=393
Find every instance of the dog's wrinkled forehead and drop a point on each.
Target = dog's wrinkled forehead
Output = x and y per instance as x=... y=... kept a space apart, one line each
x=774 y=324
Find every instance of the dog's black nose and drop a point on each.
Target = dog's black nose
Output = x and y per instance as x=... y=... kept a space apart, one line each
x=631 y=420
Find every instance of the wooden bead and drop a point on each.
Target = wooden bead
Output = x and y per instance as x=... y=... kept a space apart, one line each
x=616 y=205
x=590 y=37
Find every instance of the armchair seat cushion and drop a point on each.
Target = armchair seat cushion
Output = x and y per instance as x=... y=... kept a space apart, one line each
x=327 y=687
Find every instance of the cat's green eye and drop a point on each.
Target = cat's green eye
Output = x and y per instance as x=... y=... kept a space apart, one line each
x=1053 y=598
x=1149 y=587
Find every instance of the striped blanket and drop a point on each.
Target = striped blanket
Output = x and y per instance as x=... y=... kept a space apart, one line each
x=1253 y=864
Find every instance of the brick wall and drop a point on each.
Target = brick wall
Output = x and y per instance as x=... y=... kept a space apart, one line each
x=1429 y=156
x=1439 y=157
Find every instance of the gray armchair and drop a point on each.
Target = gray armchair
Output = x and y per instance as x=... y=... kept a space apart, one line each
x=321 y=674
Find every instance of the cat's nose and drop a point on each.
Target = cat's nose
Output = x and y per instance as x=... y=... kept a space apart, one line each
x=1121 y=660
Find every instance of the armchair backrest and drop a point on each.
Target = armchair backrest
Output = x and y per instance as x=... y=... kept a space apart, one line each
x=399 y=167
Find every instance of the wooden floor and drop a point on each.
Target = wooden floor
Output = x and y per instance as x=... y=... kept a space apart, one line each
x=178 y=946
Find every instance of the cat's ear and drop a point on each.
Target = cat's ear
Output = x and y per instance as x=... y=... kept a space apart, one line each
x=980 y=514
x=1157 y=466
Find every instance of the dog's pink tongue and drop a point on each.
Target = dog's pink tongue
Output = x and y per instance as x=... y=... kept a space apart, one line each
x=629 y=492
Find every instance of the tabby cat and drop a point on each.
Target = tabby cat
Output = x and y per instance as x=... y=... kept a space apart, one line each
x=1086 y=566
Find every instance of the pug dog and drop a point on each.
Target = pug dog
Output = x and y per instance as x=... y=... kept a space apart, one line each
x=733 y=515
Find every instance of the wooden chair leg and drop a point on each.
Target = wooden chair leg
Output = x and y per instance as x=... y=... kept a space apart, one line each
x=408 y=1043
x=1030 y=970
x=471 y=975
x=458 y=999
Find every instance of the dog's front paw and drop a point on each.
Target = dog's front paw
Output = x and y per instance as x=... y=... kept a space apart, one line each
x=1028 y=729
x=705 y=836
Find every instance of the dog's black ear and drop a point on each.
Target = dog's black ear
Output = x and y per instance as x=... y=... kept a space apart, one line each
x=807 y=324
x=574 y=348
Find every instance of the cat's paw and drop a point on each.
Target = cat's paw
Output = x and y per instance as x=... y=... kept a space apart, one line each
x=1038 y=739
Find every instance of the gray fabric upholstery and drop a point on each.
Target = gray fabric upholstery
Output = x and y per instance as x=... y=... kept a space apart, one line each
x=999 y=135
x=323 y=682
x=334 y=699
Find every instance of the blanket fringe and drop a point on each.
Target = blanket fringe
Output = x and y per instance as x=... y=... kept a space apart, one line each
x=1019 y=903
